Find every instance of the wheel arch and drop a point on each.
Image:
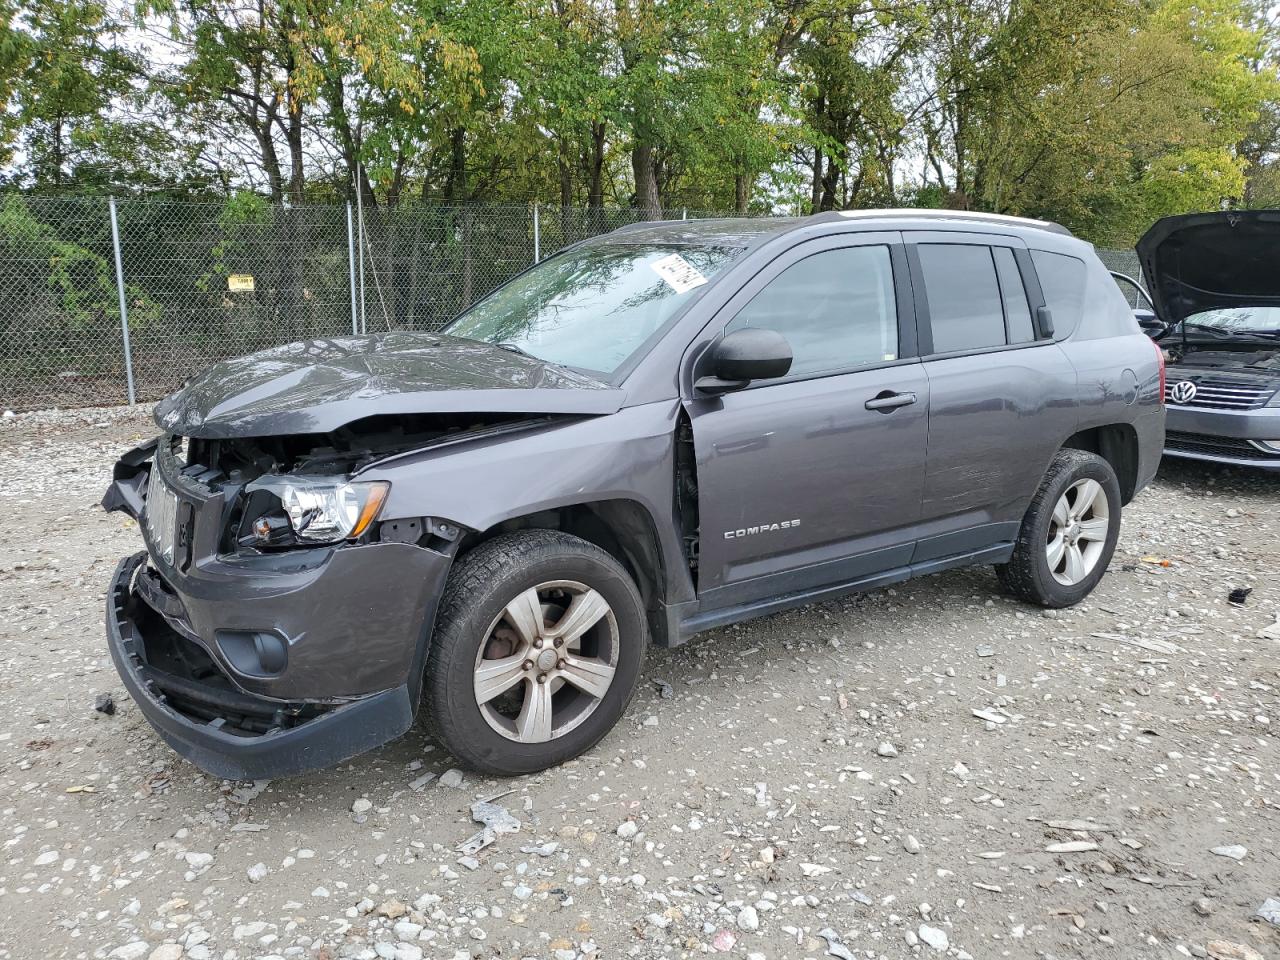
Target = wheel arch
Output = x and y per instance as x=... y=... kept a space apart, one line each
x=623 y=528
x=1117 y=443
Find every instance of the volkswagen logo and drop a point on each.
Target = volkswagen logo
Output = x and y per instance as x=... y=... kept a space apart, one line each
x=1184 y=391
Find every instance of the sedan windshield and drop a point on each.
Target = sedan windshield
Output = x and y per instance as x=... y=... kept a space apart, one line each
x=1238 y=321
x=594 y=307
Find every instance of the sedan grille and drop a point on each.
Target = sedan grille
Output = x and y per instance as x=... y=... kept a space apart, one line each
x=1178 y=442
x=161 y=516
x=1217 y=394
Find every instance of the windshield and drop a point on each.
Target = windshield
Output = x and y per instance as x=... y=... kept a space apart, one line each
x=593 y=307
x=1238 y=320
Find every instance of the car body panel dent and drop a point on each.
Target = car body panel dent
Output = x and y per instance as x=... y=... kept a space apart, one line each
x=317 y=386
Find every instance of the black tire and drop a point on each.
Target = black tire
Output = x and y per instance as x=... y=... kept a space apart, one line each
x=481 y=585
x=1027 y=574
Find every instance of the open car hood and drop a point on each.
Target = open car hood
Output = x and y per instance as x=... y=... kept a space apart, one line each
x=317 y=386
x=1212 y=261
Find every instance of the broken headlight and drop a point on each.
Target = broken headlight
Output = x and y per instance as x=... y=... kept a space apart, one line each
x=316 y=510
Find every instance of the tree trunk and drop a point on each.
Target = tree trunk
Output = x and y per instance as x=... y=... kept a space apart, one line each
x=58 y=152
x=742 y=184
x=830 y=183
x=564 y=167
x=456 y=184
x=595 y=171
x=297 y=175
x=815 y=194
x=644 y=169
x=270 y=160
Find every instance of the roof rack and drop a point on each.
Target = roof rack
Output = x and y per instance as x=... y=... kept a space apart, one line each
x=936 y=214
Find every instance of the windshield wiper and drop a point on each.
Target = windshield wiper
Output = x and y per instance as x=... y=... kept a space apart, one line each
x=1222 y=333
x=513 y=348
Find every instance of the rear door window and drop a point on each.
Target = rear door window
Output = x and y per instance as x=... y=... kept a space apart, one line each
x=1017 y=312
x=1062 y=280
x=965 y=307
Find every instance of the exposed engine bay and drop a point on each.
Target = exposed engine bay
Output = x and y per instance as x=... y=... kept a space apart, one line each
x=346 y=450
x=1215 y=358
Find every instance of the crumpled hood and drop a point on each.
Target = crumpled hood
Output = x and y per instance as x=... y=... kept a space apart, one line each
x=316 y=386
x=1212 y=261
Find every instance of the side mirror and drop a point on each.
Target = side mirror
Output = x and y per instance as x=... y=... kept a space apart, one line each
x=745 y=355
x=1148 y=321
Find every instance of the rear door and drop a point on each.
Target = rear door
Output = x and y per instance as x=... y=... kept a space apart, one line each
x=1002 y=393
x=815 y=479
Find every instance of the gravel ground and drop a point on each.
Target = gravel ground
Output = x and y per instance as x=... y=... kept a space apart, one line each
x=928 y=770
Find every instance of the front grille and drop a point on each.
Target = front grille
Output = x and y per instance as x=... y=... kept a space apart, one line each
x=161 y=516
x=1179 y=442
x=1219 y=394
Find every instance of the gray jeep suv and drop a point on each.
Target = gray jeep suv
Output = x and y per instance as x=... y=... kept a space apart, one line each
x=663 y=430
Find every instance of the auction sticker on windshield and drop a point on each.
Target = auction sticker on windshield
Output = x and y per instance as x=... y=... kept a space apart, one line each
x=679 y=274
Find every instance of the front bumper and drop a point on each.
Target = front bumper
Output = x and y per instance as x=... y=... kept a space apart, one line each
x=226 y=732
x=1231 y=437
x=270 y=664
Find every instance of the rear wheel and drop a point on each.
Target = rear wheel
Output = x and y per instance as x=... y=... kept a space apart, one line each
x=1068 y=534
x=538 y=648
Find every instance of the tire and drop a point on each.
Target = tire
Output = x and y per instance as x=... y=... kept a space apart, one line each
x=1028 y=574
x=485 y=633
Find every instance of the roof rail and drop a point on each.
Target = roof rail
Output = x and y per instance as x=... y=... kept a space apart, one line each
x=975 y=215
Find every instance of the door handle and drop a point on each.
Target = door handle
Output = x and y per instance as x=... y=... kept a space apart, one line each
x=887 y=401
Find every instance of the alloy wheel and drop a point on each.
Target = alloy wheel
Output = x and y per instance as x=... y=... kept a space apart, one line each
x=547 y=661
x=1078 y=531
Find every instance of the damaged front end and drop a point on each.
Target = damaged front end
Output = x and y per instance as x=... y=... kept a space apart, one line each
x=278 y=621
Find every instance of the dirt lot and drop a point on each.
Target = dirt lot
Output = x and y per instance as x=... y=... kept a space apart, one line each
x=813 y=784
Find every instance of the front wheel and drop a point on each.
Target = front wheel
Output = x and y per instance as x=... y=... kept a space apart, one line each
x=1068 y=533
x=537 y=650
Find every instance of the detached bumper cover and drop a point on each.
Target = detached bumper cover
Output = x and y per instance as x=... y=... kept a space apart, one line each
x=273 y=739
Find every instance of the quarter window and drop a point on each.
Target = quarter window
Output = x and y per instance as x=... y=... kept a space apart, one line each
x=836 y=309
x=965 y=307
x=1062 y=280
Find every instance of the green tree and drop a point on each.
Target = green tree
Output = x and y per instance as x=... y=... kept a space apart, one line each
x=67 y=63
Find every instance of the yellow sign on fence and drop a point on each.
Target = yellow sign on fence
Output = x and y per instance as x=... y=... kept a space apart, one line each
x=240 y=283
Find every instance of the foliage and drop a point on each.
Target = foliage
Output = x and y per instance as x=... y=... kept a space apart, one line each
x=59 y=279
x=1103 y=114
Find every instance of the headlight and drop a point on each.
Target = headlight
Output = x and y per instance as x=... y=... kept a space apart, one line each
x=320 y=509
x=1275 y=400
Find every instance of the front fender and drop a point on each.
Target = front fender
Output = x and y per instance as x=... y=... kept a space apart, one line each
x=629 y=455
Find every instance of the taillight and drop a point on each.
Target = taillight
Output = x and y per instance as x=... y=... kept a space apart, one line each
x=1163 y=373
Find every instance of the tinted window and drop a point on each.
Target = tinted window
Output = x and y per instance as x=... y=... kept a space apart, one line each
x=1017 y=313
x=836 y=309
x=1062 y=282
x=964 y=299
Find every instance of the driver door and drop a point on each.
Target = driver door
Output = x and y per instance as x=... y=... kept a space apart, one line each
x=815 y=479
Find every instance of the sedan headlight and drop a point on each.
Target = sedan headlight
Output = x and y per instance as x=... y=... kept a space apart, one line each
x=319 y=509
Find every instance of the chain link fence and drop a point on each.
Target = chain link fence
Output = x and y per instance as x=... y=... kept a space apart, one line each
x=200 y=282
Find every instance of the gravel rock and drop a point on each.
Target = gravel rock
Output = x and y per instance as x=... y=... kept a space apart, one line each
x=758 y=784
x=933 y=937
x=1232 y=852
